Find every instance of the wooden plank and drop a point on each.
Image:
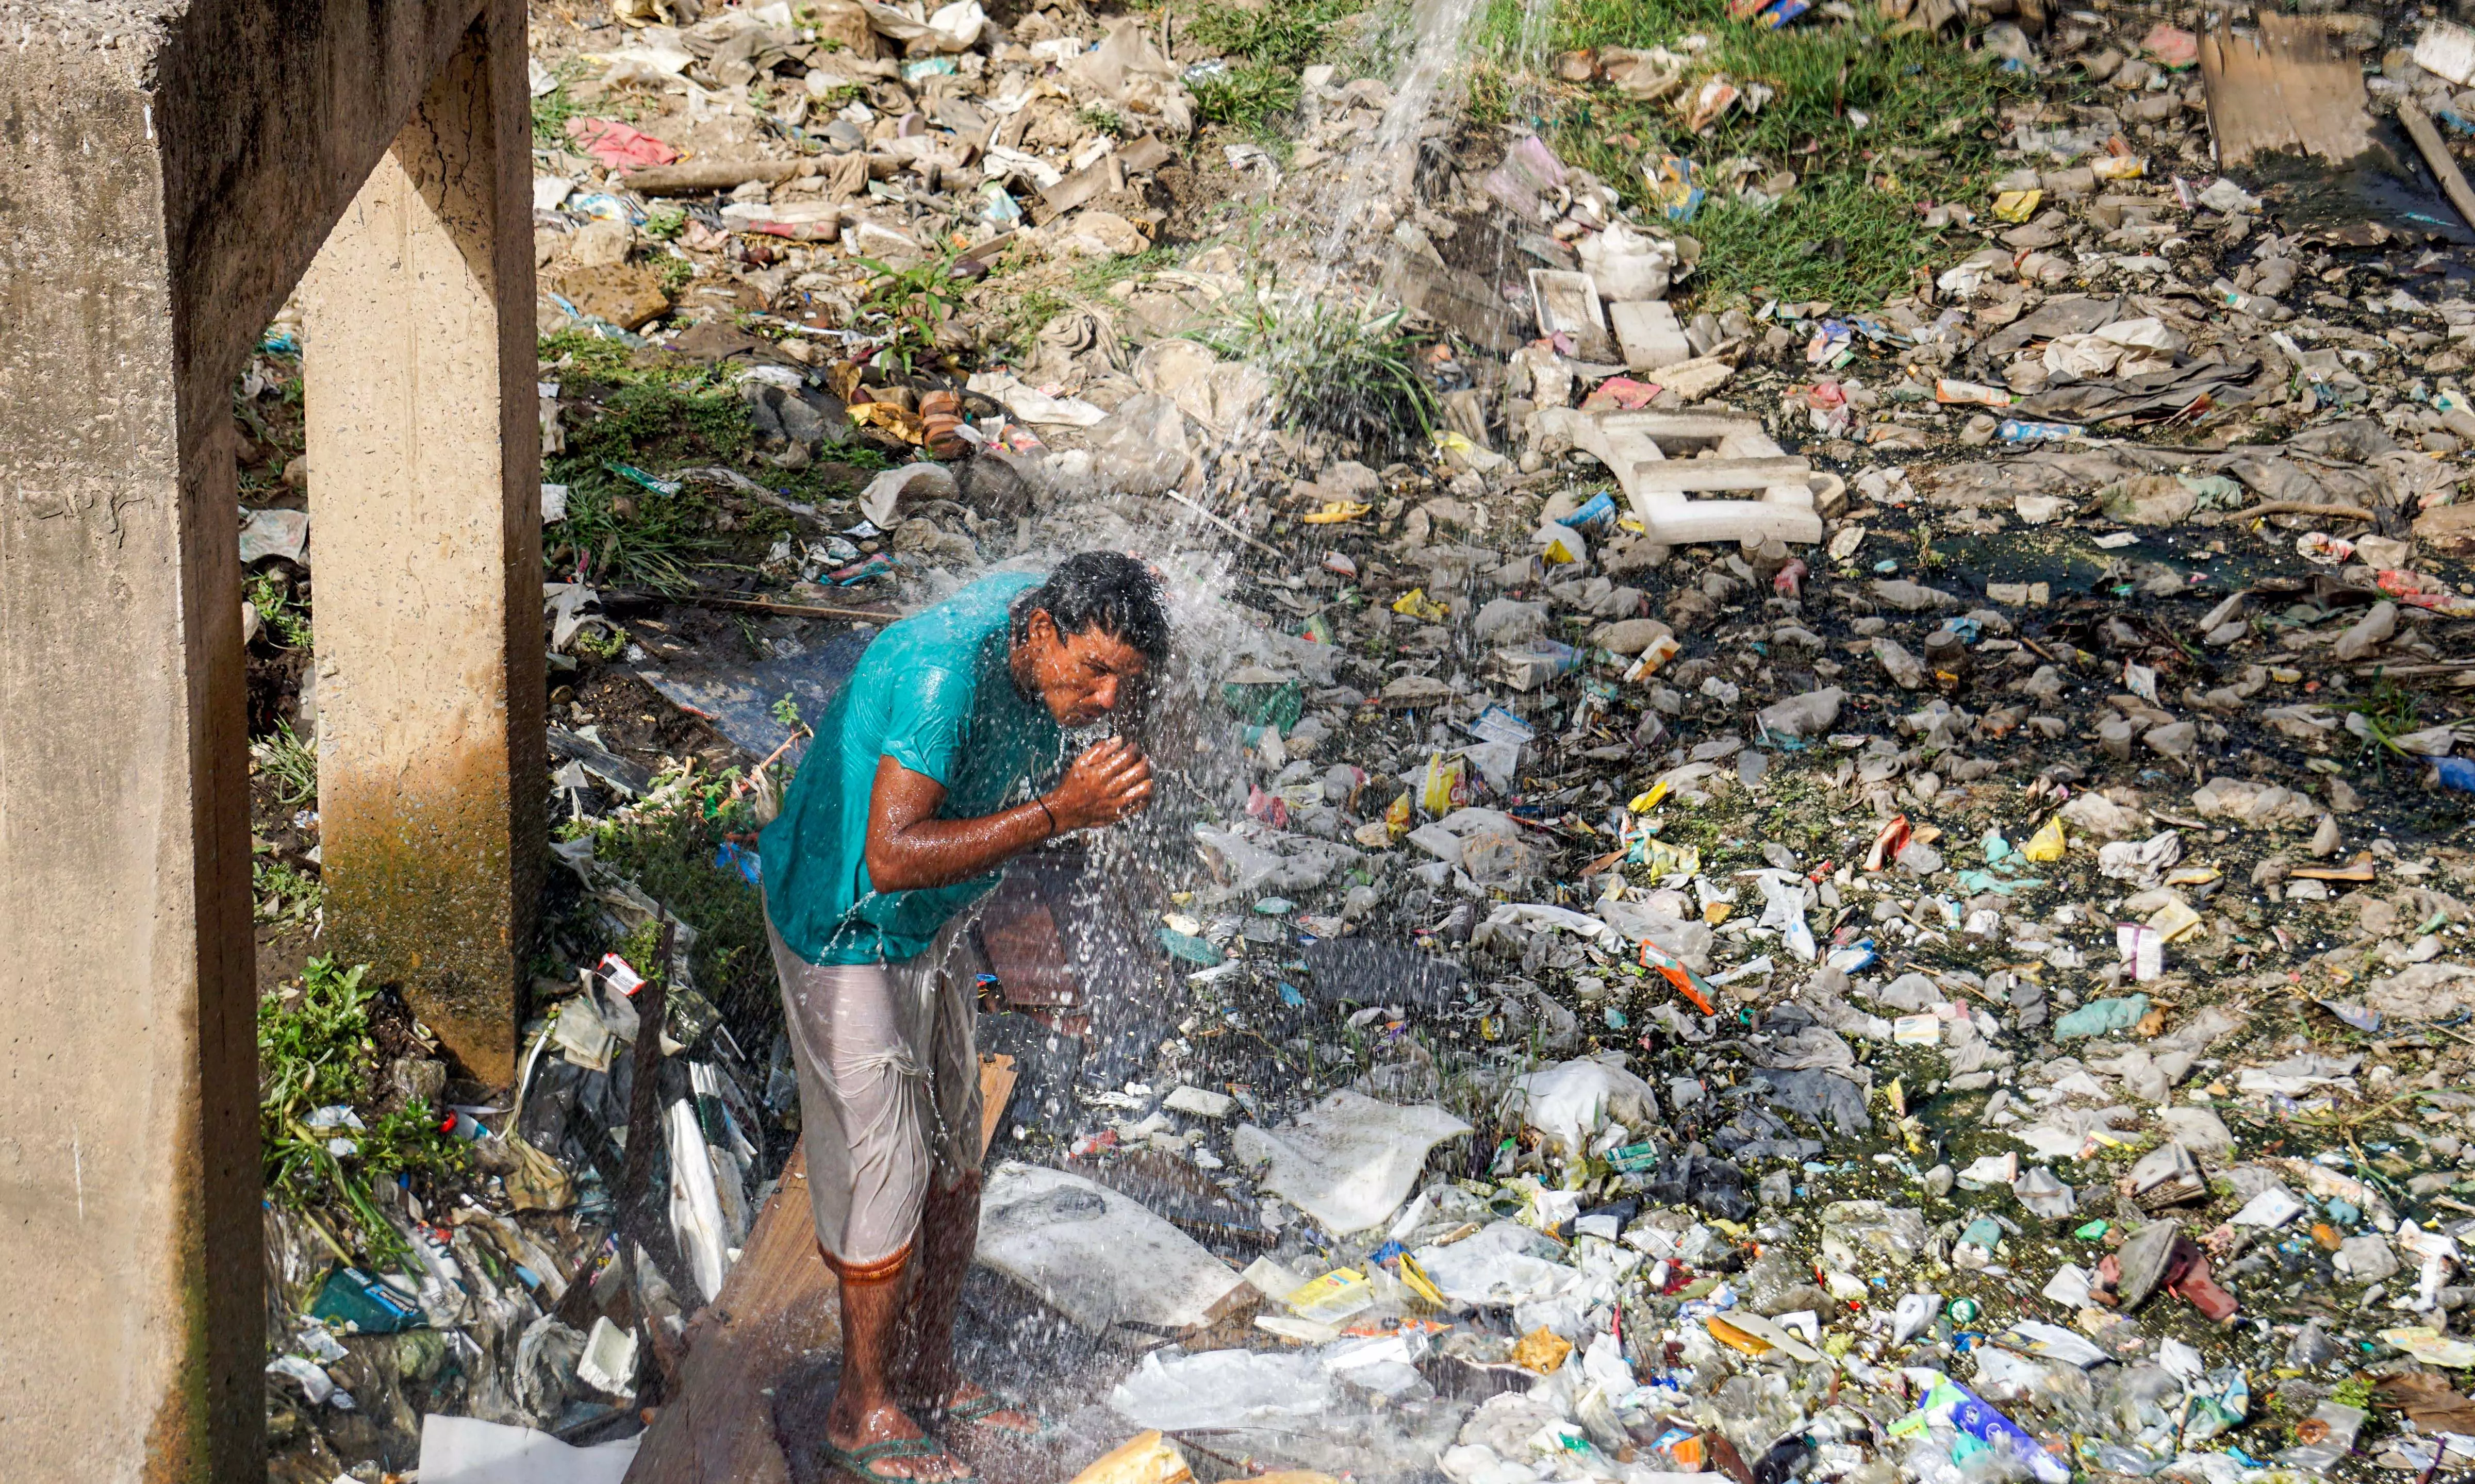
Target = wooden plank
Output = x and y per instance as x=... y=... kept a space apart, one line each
x=777 y=1304
x=996 y=1090
x=2436 y=153
x=2287 y=89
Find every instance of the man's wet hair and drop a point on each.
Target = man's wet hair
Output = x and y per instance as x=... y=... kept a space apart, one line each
x=1108 y=589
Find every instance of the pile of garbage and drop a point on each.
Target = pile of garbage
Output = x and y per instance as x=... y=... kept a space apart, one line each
x=1772 y=888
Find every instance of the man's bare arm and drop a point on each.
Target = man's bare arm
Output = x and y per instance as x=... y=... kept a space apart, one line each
x=909 y=848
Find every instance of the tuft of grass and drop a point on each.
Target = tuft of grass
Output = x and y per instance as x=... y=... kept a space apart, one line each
x=553 y=108
x=1333 y=367
x=1848 y=232
x=290 y=762
x=1250 y=96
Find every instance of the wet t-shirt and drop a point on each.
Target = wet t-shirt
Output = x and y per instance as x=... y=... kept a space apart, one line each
x=935 y=695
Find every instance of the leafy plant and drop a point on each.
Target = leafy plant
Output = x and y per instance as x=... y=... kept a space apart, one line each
x=314 y=1051
x=786 y=711
x=912 y=302
x=287 y=620
x=662 y=222
x=284 y=894
x=1100 y=118
x=290 y=762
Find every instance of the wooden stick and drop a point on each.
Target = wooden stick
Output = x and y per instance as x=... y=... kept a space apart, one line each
x=2436 y=153
x=792 y=610
x=2304 y=507
x=1226 y=526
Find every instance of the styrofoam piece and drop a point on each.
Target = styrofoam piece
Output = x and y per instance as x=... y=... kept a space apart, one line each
x=468 y=1450
x=1104 y=1261
x=1649 y=334
x=1567 y=303
x=1658 y=483
x=2447 y=50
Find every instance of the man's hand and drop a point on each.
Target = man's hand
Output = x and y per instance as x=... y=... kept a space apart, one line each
x=1110 y=781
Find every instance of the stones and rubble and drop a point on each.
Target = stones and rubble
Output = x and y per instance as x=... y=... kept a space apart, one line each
x=1754 y=885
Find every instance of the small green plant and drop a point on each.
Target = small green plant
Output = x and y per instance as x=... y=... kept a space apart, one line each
x=912 y=302
x=786 y=711
x=315 y=1051
x=596 y=643
x=284 y=895
x=290 y=762
x=550 y=112
x=278 y=615
x=664 y=223
x=1100 y=118
x=677 y=273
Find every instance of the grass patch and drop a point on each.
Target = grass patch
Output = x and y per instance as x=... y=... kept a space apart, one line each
x=1249 y=96
x=1333 y=367
x=912 y=302
x=667 y=845
x=315 y=1051
x=291 y=763
x=657 y=414
x=281 y=894
x=1849 y=231
x=1288 y=35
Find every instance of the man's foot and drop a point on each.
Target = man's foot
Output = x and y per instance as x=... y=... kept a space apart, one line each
x=972 y=1407
x=883 y=1446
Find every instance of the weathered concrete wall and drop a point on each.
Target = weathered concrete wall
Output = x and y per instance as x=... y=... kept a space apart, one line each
x=424 y=498
x=166 y=171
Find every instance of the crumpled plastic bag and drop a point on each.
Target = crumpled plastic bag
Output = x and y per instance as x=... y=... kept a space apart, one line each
x=1572 y=1100
x=1129 y=70
x=953 y=27
x=1349 y=1162
x=2125 y=348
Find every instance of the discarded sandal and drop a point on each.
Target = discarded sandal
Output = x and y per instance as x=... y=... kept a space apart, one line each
x=982 y=1410
x=861 y=1462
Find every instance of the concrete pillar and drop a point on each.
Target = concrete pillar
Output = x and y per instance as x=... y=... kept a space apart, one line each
x=131 y=1333
x=424 y=503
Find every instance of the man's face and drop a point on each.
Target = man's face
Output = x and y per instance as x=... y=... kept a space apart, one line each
x=1080 y=676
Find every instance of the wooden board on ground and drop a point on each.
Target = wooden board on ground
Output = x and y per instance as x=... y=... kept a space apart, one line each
x=778 y=1305
x=996 y=1090
x=2289 y=89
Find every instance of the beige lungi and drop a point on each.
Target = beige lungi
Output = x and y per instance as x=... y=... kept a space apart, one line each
x=889 y=1086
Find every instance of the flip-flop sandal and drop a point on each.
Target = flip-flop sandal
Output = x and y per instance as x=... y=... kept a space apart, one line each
x=859 y=1462
x=982 y=1410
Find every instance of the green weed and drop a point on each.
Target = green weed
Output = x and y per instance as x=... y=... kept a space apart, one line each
x=1250 y=96
x=314 y=1051
x=1289 y=34
x=288 y=621
x=1333 y=367
x=912 y=302
x=284 y=894
x=290 y=762
x=667 y=845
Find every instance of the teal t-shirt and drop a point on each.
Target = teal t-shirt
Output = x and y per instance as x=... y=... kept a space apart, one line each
x=935 y=694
